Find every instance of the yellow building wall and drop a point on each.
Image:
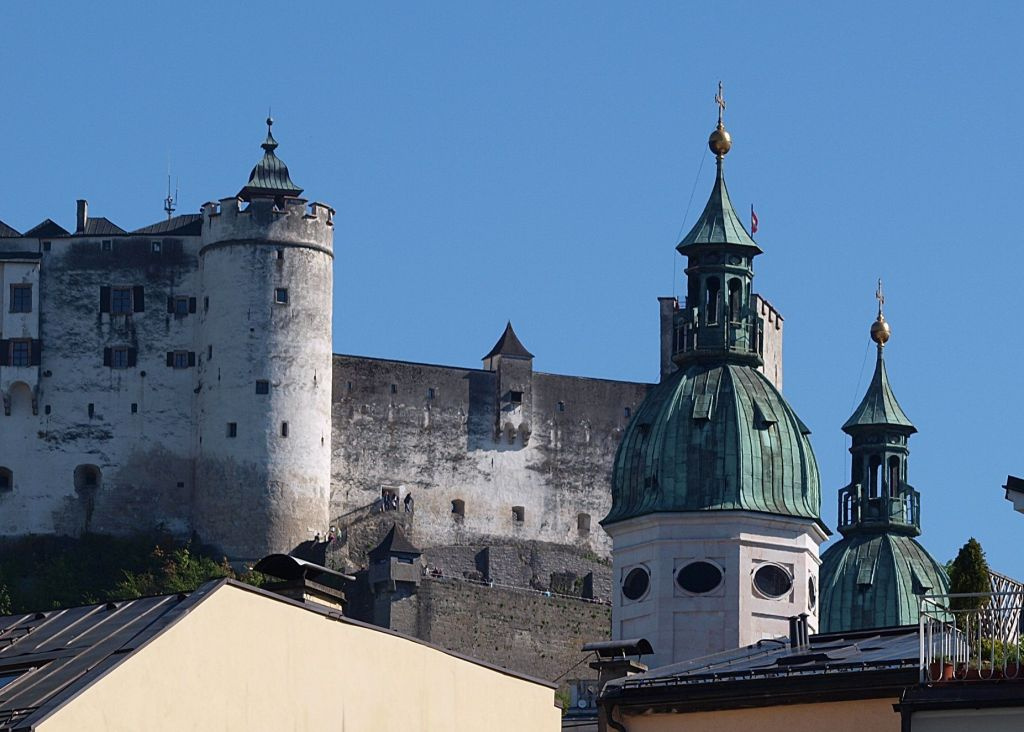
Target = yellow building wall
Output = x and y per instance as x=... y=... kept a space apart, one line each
x=242 y=661
x=868 y=715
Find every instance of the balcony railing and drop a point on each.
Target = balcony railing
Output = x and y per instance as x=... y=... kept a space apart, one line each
x=972 y=636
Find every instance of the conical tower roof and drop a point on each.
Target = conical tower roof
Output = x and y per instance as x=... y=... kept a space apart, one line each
x=509 y=345
x=270 y=177
x=879 y=407
x=718 y=223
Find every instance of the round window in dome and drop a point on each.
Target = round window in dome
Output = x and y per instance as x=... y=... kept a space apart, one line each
x=699 y=577
x=771 y=580
x=812 y=593
x=636 y=583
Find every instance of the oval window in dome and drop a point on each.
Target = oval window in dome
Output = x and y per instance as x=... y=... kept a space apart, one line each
x=699 y=577
x=812 y=593
x=773 y=581
x=636 y=583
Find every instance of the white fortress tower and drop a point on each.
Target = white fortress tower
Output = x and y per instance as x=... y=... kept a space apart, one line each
x=263 y=443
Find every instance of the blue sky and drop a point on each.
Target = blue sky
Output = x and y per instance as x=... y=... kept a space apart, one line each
x=535 y=162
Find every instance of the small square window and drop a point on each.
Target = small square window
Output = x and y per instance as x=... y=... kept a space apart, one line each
x=284 y=429
x=106 y=245
x=394 y=388
x=47 y=409
x=280 y=254
x=561 y=406
x=209 y=352
x=135 y=408
x=206 y=303
x=181 y=306
x=262 y=386
x=232 y=429
x=120 y=300
x=91 y=409
x=156 y=247
x=47 y=245
x=21 y=298
x=281 y=295
x=348 y=385
x=180 y=360
x=627 y=412
x=119 y=357
x=516 y=397
x=431 y=393
x=21 y=352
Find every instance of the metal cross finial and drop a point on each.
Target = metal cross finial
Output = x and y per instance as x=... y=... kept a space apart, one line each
x=720 y=101
x=880 y=297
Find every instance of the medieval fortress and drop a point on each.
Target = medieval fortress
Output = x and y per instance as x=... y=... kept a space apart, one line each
x=181 y=375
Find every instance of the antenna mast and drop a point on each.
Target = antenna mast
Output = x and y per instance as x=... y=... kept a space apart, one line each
x=171 y=202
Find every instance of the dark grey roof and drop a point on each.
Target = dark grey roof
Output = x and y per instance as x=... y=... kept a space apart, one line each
x=47 y=228
x=100 y=226
x=16 y=256
x=287 y=567
x=509 y=345
x=57 y=654
x=7 y=231
x=395 y=542
x=718 y=223
x=835 y=653
x=184 y=225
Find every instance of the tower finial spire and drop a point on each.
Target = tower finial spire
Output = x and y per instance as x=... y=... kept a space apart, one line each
x=720 y=101
x=880 y=330
x=720 y=141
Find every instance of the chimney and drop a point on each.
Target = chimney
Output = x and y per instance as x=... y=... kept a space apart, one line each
x=304 y=581
x=611 y=660
x=82 y=217
x=798 y=635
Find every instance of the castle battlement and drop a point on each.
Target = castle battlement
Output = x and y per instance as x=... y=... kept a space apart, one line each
x=297 y=222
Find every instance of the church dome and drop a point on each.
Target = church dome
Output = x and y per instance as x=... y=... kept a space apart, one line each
x=875 y=580
x=715 y=437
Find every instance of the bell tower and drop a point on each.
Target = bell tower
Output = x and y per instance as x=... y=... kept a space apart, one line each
x=718 y=320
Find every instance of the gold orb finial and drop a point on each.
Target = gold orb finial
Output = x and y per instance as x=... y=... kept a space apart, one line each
x=880 y=330
x=720 y=141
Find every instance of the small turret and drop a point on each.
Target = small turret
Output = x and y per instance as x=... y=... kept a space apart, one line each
x=513 y=367
x=874 y=576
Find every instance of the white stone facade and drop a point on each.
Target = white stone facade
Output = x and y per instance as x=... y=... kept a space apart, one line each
x=144 y=348
x=682 y=625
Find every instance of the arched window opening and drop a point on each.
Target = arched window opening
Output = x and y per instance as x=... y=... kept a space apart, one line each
x=458 y=509
x=21 y=398
x=894 y=475
x=583 y=523
x=874 y=471
x=711 y=304
x=692 y=290
x=6 y=479
x=87 y=478
x=734 y=300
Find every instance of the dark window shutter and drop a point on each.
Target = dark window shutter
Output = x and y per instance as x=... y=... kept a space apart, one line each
x=5 y=350
x=139 y=298
x=191 y=358
x=133 y=357
x=37 y=352
x=105 y=299
x=191 y=304
x=170 y=358
x=108 y=356
x=170 y=304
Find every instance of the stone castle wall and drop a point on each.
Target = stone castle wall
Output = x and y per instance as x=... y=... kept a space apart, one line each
x=443 y=435
x=525 y=632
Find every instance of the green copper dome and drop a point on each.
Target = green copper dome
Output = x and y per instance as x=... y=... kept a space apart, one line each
x=875 y=580
x=714 y=437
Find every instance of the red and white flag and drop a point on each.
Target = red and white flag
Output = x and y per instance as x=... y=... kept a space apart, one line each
x=753 y=220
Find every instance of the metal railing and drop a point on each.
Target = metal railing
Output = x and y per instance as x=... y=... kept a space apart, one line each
x=971 y=636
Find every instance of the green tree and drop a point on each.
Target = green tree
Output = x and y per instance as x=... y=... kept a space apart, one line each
x=969 y=574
